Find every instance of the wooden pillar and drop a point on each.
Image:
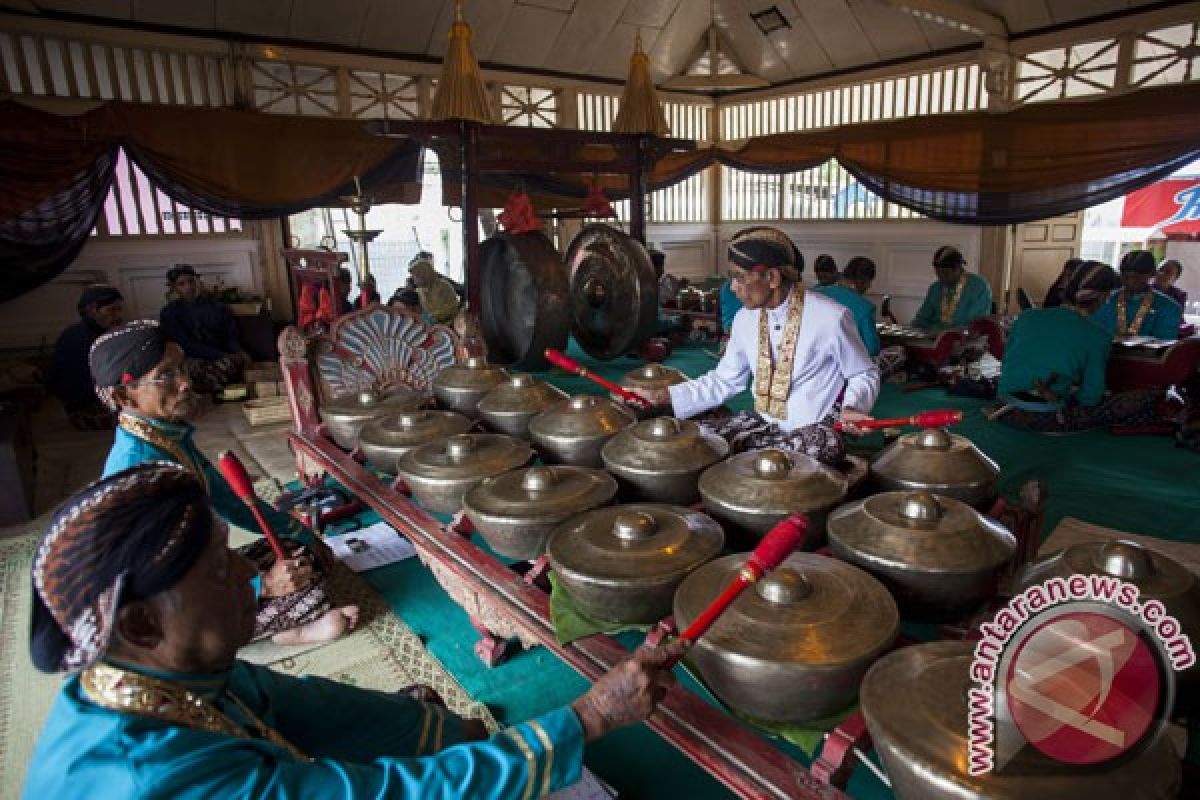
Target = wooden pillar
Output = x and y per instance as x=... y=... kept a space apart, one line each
x=637 y=191
x=469 y=133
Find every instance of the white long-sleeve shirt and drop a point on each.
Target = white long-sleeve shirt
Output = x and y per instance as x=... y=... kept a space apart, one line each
x=830 y=355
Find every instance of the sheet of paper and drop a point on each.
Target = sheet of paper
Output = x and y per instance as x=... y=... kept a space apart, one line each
x=373 y=546
x=589 y=787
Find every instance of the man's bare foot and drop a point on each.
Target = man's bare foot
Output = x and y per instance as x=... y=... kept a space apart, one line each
x=326 y=628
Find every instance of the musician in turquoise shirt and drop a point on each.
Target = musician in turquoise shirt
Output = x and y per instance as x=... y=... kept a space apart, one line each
x=137 y=594
x=850 y=291
x=1136 y=309
x=1056 y=359
x=956 y=298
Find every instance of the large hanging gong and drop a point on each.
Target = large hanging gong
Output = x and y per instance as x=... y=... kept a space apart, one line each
x=523 y=291
x=614 y=294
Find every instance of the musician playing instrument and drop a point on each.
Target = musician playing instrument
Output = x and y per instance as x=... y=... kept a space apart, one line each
x=1060 y=388
x=956 y=298
x=137 y=594
x=1136 y=309
x=800 y=350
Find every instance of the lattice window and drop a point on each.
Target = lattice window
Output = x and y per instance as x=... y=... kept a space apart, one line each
x=1075 y=71
x=135 y=208
x=383 y=95
x=529 y=106
x=825 y=192
x=33 y=64
x=281 y=88
x=942 y=91
x=1167 y=55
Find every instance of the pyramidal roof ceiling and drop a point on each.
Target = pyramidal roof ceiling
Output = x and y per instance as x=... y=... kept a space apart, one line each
x=594 y=38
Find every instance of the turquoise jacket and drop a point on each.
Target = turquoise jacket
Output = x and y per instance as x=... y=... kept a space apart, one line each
x=129 y=450
x=976 y=302
x=862 y=309
x=1162 y=322
x=359 y=743
x=730 y=305
x=1060 y=342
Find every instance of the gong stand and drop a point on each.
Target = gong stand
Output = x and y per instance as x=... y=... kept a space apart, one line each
x=522 y=155
x=498 y=601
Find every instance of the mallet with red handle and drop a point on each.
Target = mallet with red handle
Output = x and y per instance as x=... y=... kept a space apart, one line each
x=572 y=366
x=239 y=480
x=779 y=543
x=926 y=419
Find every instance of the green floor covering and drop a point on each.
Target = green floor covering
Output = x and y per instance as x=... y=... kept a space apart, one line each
x=1139 y=484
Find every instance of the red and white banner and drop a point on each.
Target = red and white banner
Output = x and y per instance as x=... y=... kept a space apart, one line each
x=1171 y=205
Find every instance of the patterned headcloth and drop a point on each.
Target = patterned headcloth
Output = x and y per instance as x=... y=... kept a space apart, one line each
x=825 y=263
x=859 y=268
x=125 y=354
x=1089 y=279
x=126 y=537
x=178 y=271
x=99 y=294
x=1140 y=261
x=763 y=247
x=948 y=256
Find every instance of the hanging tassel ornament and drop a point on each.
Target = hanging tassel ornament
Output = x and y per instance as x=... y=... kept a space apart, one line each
x=518 y=215
x=640 y=111
x=461 y=93
x=597 y=205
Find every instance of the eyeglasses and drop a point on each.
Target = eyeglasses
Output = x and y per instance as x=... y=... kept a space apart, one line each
x=169 y=377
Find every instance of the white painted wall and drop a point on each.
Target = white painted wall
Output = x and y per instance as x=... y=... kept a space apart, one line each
x=902 y=251
x=138 y=268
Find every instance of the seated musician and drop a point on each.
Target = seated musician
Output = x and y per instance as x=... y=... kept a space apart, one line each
x=956 y=298
x=851 y=292
x=439 y=301
x=138 y=596
x=1165 y=279
x=825 y=270
x=139 y=373
x=100 y=308
x=1136 y=309
x=205 y=329
x=1057 y=291
x=729 y=305
x=799 y=349
x=1061 y=388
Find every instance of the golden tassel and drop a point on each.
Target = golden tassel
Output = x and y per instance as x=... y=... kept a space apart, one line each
x=461 y=93
x=640 y=111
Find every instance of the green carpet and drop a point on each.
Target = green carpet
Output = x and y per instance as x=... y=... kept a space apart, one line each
x=1095 y=477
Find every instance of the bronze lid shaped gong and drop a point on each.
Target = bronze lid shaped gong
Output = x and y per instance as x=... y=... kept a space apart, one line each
x=386 y=439
x=345 y=416
x=915 y=704
x=515 y=512
x=510 y=406
x=939 y=462
x=652 y=376
x=661 y=459
x=751 y=491
x=1156 y=576
x=460 y=387
x=573 y=431
x=441 y=472
x=623 y=563
x=937 y=554
x=794 y=646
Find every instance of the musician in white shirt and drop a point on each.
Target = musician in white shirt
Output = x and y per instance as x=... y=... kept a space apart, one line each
x=814 y=372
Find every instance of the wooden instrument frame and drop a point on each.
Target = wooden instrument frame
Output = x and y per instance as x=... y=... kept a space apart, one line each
x=502 y=605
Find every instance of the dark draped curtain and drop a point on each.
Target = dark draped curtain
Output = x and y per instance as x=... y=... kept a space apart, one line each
x=979 y=168
x=57 y=172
